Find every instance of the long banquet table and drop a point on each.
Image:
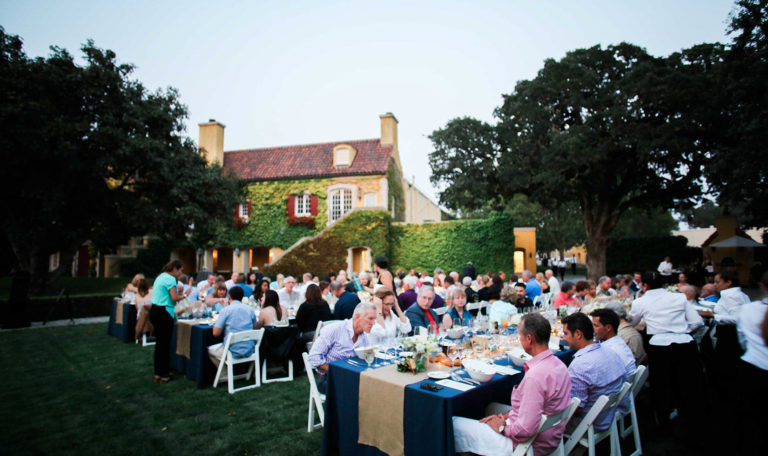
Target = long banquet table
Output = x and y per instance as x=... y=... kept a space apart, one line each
x=427 y=416
x=125 y=330
x=198 y=367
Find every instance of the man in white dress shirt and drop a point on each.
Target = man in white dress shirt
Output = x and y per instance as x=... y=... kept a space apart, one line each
x=290 y=298
x=232 y=281
x=665 y=269
x=554 y=284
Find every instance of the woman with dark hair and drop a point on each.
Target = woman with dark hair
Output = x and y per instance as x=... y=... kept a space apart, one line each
x=252 y=280
x=259 y=289
x=381 y=266
x=311 y=311
x=753 y=375
x=271 y=310
x=165 y=295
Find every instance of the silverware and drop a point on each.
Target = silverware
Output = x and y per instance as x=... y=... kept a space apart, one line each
x=355 y=363
x=456 y=378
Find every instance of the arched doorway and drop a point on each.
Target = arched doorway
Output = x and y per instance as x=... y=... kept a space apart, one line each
x=518 y=259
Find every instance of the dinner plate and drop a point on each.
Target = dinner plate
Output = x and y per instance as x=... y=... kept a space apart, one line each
x=438 y=375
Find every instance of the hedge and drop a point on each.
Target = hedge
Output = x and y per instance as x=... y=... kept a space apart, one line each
x=626 y=256
x=328 y=251
x=487 y=243
x=83 y=306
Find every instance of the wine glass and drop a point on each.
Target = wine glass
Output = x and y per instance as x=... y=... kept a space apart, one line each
x=369 y=355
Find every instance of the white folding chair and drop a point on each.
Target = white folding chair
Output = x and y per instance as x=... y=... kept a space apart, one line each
x=230 y=361
x=476 y=306
x=638 y=380
x=441 y=310
x=587 y=425
x=316 y=400
x=320 y=325
x=547 y=422
x=144 y=342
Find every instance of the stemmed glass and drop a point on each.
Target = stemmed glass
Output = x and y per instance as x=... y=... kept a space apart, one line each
x=369 y=356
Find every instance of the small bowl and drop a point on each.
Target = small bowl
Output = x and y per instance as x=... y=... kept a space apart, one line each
x=518 y=356
x=478 y=370
x=457 y=332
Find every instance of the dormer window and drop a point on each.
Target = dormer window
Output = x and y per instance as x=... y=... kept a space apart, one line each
x=343 y=156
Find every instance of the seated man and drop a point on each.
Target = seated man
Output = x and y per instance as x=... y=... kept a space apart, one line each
x=408 y=296
x=709 y=293
x=421 y=314
x=290 y=297
x=247 y=290
x=594 y=370
x=604 y=287
x=346 y=301
x=532 y=287
x=628 y=333
x=545 y=389
x=565 y=297
x=606 y=323
x=521 y=300
x=235 y=317
x=339 y=340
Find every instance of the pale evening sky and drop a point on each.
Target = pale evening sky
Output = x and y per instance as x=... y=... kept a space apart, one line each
x=295 y=72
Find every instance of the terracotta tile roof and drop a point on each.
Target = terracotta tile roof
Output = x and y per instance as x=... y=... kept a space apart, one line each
x=307 y=161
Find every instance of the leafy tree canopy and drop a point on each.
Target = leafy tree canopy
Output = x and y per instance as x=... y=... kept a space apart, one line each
x=91 y=154
x=608 y=129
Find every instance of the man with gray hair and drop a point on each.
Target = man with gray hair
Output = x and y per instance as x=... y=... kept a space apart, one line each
x=604 y=287
x=347 y=301
x=339 y=340
x=627 y=332
x=290 y=298
x=421 y=314
x=408 y=296
x=471 y=294
x=532 y=287
x=554 y=284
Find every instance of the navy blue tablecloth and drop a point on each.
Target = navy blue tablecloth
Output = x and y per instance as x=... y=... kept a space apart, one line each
x=198 y=367
x=427 y=416
x=125 y=331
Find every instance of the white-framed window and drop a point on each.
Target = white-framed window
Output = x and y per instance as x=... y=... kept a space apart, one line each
x=53 y=261
x=343 y=157
x=340 y=202
x=302 y=208
x=242 y=210
x=369 y=200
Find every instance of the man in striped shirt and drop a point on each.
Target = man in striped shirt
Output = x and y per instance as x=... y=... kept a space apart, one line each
x=339 y=340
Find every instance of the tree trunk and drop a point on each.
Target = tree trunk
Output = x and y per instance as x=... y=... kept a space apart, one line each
x=597 y=245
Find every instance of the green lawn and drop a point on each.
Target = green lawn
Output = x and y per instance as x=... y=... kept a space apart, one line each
x=75 y=390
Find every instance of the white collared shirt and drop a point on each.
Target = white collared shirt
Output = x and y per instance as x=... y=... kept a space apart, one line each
x=750 y=335
x=668 y=316
x=729 y=304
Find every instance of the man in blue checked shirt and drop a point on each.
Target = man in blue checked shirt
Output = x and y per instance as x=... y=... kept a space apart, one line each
x=235 y=317
x=594 y=370
x=339 y=340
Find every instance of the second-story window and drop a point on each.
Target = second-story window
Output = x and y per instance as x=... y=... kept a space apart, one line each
x=303 y=208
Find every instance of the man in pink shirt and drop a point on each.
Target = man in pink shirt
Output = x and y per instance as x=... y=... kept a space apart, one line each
x=565 y=297
x=545 y=389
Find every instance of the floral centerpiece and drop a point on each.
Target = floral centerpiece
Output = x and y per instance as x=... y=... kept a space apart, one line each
x=418 y=347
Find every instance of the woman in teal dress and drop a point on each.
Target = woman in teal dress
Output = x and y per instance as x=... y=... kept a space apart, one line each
x=165 y=295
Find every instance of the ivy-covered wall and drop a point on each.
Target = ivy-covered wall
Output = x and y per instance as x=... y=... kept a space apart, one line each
x=488 y=244
x=395 y=189
x=328 y=251
x=268 y=225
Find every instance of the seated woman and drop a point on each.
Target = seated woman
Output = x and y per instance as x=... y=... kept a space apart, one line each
x=133 y=286
x=457 y=314
x=271 y=310
x=218 y=297
x=682 y=281
x=503 y=307
x=143 y=301
x=542 y=282
x=389 y=317
x=311 y=311
x=259 y=289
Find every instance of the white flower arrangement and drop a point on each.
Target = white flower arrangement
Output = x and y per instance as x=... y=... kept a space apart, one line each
x=420 y=344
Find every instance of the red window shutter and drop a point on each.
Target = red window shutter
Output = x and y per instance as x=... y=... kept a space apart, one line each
x=249 y=208
x=291 y=205
x=313 y=205
x=237 y=211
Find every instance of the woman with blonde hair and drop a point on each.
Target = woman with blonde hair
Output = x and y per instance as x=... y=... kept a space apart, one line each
x=457 y=312
x=143 y=301
x=217 y=298
x=133 y=286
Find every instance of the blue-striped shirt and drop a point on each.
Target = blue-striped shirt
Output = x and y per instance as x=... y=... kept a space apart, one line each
x=594 y=372
x=335 y=343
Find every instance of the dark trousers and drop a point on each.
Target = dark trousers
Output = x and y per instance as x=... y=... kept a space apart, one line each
x=677 y=381
x=163 y=323
x=751 y=406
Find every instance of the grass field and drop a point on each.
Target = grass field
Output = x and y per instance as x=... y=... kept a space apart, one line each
x=75 y=390
x=76 y=286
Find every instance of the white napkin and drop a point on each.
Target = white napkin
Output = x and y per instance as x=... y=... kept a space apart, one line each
x=504 y=370
x=454 y=385
x=382 y=355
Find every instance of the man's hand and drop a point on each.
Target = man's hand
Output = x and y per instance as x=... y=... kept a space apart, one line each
x=494 y=421
x=707 y=313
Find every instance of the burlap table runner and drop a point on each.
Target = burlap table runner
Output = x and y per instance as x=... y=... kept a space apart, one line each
x=119 y=313
x=380 y=408
x=183 y=335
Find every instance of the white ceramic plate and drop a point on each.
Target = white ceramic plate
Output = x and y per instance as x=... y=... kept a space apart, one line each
x=438 y=375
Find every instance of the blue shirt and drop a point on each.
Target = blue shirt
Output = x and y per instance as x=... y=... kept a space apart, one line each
x=466 y=321
x=596 y=371
x=532 y=289
x=237 y=317
x=710 y=298
x=345 y=306
x=161 y=292
x=247 y=290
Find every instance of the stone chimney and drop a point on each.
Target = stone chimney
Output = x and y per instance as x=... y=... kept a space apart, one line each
x=211 y=141
x=389 y=134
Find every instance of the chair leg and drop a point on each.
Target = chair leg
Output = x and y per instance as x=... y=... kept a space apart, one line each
x=311 y=417
x=230 y=376
x=636 y=432
x=591 y=440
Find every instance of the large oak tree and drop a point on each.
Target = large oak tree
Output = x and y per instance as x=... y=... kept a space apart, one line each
x=609 y=129
x=91 y=154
